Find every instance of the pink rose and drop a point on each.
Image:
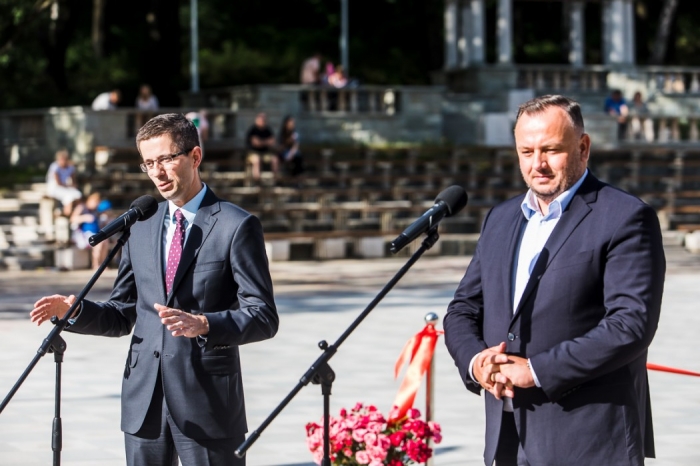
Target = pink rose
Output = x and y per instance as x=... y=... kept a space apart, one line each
x=370 y=438
x=358 y=435
x=377 y=453
x=383 y=442
x=362 y=457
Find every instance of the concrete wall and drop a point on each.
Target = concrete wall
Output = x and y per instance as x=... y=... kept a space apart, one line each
x=29 y=137
x=415 y=116
x=478 y=109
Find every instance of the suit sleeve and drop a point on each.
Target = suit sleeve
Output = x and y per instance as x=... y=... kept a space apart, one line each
x=256 y=319
x=117 y=316
x=633 y=278
x=464 y=320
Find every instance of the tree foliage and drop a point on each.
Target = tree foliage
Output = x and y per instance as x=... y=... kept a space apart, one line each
x=65 y=52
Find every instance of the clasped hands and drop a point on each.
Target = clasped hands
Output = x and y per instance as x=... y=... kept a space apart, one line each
x=498 y=372
x=179 y=322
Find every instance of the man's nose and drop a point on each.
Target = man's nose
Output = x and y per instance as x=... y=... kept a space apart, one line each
x=540 y=159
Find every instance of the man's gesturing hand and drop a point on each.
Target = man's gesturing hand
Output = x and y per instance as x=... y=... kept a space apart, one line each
x=49 y=306
x=181 y=323
x=486 y=370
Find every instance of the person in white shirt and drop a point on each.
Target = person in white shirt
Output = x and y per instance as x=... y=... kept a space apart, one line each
x=107 y=100
x=61 y=182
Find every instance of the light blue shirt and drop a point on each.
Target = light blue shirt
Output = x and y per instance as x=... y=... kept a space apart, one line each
x=538 y=229
x=189 y=211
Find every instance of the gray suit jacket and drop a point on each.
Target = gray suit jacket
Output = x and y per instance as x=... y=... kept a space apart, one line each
x=585 y=320
x=224 y=274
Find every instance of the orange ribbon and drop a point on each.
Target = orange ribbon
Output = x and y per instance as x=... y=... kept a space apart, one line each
x=656 y=367
x=419 y=352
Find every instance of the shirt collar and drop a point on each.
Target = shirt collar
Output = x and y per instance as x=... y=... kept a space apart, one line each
x=189 y=210
x=530 y=206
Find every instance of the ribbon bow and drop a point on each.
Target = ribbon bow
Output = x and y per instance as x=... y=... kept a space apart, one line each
x=419 y=352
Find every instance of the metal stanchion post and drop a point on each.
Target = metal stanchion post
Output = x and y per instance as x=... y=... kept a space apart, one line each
x=430 y=318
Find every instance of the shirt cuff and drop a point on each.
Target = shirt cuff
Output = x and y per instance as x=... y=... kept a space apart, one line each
x=76 y=315
x=532 y=371
x=471 y=366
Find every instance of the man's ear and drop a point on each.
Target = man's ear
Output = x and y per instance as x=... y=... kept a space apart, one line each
x=585 y=146
x=197 y=156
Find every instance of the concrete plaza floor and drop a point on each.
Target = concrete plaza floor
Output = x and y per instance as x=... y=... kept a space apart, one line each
x=316 y=300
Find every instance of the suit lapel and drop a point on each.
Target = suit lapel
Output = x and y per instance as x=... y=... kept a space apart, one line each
x=203 y=223
x=510 y=250
x=157 y=245
x=578 y=210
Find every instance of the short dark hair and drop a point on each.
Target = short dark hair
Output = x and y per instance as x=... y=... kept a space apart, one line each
x=542 y=103
x=181 y=130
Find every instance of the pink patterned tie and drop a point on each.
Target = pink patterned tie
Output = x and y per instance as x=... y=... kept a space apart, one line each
x=175 y=251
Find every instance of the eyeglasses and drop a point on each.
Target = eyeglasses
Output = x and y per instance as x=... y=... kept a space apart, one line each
x=161 y=161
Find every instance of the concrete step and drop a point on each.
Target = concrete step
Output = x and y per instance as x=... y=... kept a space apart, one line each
x=22 y=235
x=31 y=196
x=38 y=251
x=21 y=263
x=38 y=187
x=9 y=205
x=21 y=217
x=27 y=257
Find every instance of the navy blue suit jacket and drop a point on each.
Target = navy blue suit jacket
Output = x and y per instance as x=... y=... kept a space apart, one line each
x=585 y=320
x=223 y=273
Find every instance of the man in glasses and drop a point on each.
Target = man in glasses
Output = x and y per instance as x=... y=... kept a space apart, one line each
x=193 y=285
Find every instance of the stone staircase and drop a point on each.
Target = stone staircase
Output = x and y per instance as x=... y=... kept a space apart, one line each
x=26 y=242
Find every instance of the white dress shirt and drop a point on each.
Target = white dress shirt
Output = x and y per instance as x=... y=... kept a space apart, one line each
x=189 y=211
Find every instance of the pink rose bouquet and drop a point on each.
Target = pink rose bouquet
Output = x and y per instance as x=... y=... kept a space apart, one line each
x=364 y=436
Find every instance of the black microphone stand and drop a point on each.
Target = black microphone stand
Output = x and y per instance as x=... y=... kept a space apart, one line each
x=53 y=343
x=321 y=373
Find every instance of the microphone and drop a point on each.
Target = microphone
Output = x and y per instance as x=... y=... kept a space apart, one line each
x=447 y=203
x=142 y=208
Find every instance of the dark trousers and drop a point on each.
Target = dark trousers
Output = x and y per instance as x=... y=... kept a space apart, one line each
x=509 y=451
x=159 y=442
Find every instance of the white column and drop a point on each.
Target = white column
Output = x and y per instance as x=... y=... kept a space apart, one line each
x=504 y=28
x=465 y=35
x=450 y=34
x=629 y=30
x=618 y=32
x=477 y=46
x=577 y=37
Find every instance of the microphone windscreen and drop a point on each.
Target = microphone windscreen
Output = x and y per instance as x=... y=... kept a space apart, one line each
x=455 y=197
x=147 y=205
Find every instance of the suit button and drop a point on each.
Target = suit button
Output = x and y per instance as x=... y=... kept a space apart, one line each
x=156 y=354
x=511 y=337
